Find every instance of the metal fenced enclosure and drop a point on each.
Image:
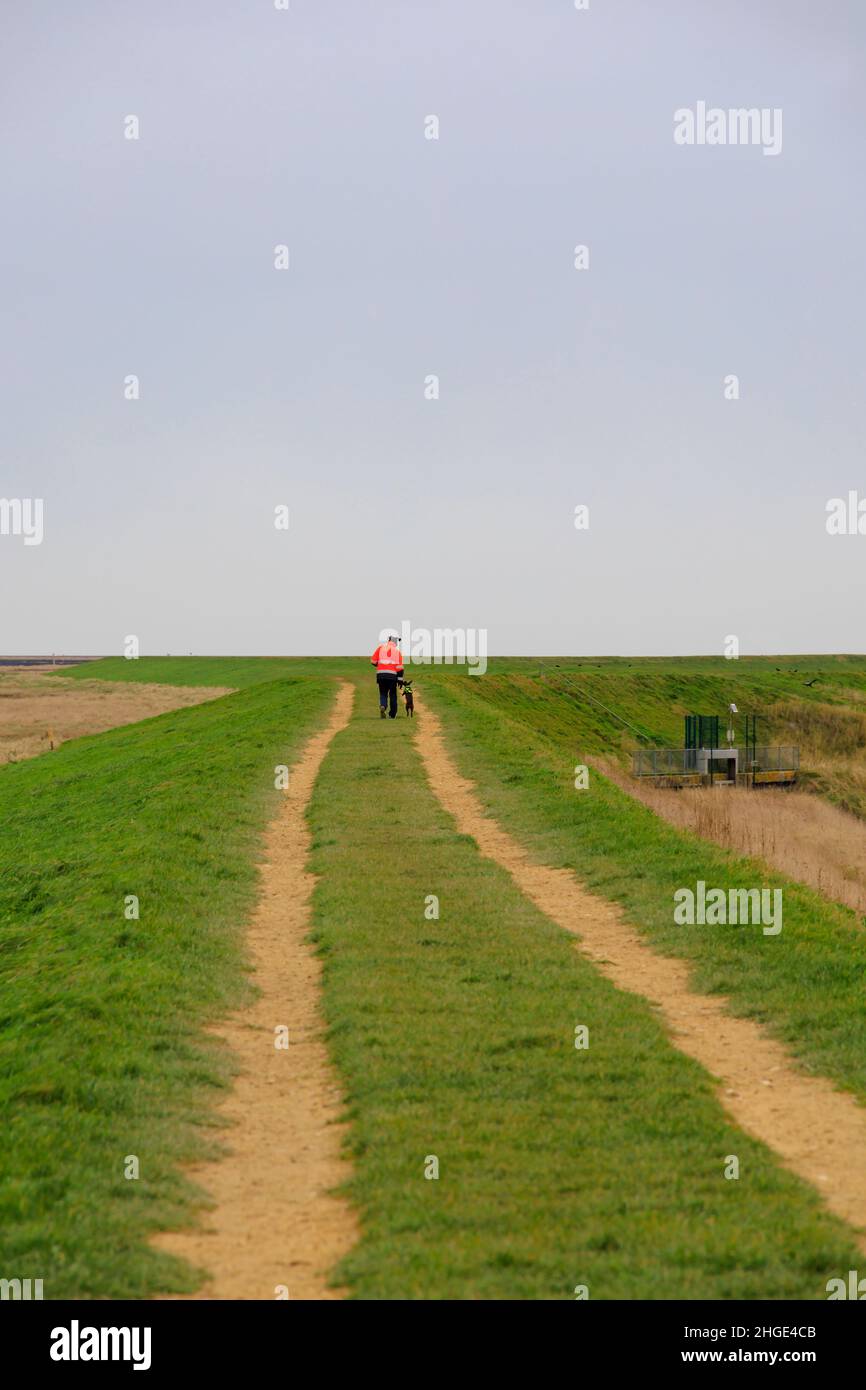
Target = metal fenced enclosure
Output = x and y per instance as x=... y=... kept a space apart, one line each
x=699 y=766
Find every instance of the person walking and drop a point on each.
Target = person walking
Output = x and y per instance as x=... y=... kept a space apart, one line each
x=388 y=661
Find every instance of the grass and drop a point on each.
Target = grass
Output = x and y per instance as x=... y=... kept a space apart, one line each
x=806 y=984
x=455 y=1039
x=102 y=1053
x=239 y=672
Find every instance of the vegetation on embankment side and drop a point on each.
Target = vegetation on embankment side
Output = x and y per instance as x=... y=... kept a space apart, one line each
x=102 y=1050
x=805 y=984
x=801 y=836
x=455 y=1039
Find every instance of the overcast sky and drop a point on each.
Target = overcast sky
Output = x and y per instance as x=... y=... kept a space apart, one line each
x=411 y=257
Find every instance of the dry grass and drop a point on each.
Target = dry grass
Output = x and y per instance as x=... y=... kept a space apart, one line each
x=39 y=711
x=803 y=836
x=832 y=742
x=821 y=730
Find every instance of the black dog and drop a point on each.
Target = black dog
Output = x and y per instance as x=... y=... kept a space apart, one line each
x=408 y=698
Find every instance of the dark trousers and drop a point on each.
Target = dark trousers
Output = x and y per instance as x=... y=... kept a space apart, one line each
x=387 y=683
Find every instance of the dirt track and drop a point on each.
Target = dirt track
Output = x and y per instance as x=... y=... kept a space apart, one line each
x=38 y=710
x=275 y=1221
x=817 y=1131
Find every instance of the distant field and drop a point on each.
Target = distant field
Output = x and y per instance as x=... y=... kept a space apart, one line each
x=40 y=710
x=839 y=670
x=235 y=671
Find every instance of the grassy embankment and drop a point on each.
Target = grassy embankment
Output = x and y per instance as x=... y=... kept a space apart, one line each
x=102 y=1053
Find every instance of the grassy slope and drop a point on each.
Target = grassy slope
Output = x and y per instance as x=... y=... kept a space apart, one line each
x=611 y=704
x=806 y=984
x=655 y=700
x=101 y=1051
x=455 y=1038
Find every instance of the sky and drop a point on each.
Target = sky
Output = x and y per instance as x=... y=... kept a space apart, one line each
x=410 y=258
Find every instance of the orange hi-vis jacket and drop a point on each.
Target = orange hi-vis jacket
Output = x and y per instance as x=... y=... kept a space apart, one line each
x=388 y=658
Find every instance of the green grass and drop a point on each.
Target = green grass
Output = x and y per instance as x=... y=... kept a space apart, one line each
x=102 y=1053
x=455 y=1038
x=239 y=672
x=806 y=984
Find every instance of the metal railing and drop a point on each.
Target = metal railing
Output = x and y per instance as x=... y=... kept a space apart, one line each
x=678 y=762
x=663 y=762
x=766 y=759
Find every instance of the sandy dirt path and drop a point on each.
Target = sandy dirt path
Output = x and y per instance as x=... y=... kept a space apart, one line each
x=817 y=1131
x=275 y=1221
